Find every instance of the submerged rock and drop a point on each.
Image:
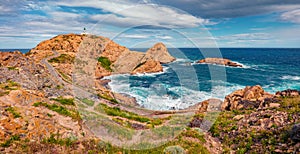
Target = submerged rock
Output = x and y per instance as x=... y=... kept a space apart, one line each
x=219 y=61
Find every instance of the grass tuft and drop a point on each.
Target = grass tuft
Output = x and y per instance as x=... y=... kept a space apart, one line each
x=13 y=112
x=105 y=63
x=63 y=58
x=64 y=101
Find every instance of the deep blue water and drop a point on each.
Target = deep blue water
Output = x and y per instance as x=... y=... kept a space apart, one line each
x=182 y=84
x=22 y=50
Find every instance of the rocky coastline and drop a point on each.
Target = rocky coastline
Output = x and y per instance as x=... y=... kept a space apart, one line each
x=38 y=109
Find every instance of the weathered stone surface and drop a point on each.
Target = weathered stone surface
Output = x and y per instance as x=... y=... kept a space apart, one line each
x=33 y=123
x=249 y=97
x=295 y=133
x=209 y=105
x=287 y=93
x=219 y=61
x=159 y=52
x=29 y=74
x=127 y=62
x=150 y=66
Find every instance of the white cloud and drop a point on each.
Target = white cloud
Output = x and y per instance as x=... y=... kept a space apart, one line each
x=246 y=37
x=291 y=16
x=127 y=13
x=134 y=36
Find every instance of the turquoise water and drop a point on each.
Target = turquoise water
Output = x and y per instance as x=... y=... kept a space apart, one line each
x=184 y=83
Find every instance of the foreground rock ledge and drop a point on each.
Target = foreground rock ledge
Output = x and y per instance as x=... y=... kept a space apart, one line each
x=219 y=61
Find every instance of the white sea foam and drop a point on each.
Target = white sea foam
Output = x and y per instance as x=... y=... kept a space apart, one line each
x=182 y=60
x=243 y=65
x=289 y=77
x=283 y=86
x=158 y=97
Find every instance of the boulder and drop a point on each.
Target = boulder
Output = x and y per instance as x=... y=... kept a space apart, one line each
x=219 y=61
x=287 y=93
x=249 y=97
x=295 y=133
x=209 y=105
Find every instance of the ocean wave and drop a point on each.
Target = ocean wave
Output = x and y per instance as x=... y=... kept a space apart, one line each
x=283 y=86
x=243 y=65
x=289 y=77
x=161 y=96
x=183 y=60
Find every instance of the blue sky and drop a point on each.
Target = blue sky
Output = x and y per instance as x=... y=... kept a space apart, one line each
x=141 y=23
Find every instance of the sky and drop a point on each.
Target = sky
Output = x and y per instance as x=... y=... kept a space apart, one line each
x=141 y=23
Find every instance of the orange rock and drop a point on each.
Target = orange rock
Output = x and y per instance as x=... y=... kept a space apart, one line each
x=219 y=61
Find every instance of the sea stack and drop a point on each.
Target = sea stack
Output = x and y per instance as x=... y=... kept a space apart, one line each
x=219 y=61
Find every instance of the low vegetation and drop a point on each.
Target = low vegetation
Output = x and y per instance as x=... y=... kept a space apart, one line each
x=107 y=97
x=64 y=101
x=247 y=136
x=13 y=112
x=105 y=63
x=63 y=58
x=56 y=139
x=8 y=142
x=60 y=110
x=88 y=102
x=115 y=111
x=7 y=86
x=189 y=141
x=12 y=68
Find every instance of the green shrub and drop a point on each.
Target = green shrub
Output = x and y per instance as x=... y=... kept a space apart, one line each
x=115 y=111
x=9 y=141
x=57 y=140
x=12 y=68
x=64 y=101
x=60 y=110
x=105 y=63
x=63 y=58
x=108 y=98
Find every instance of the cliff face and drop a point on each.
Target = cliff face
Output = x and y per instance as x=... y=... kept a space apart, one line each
x=159 y=52
x=121 y=59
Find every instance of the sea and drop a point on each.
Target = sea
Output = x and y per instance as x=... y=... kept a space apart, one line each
x=184 y=82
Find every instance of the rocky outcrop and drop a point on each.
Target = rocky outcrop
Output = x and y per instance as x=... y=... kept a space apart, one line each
x=84 y=49
x=219 y=61
x=19 y=117
x=209 y=105
x=159 y=52
x=287 y=93
x=66 y=42
x=137 y=62
x=127 y=62
x=249 y=97
x=29 y=74
x=295 y=133
x=150 y=66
